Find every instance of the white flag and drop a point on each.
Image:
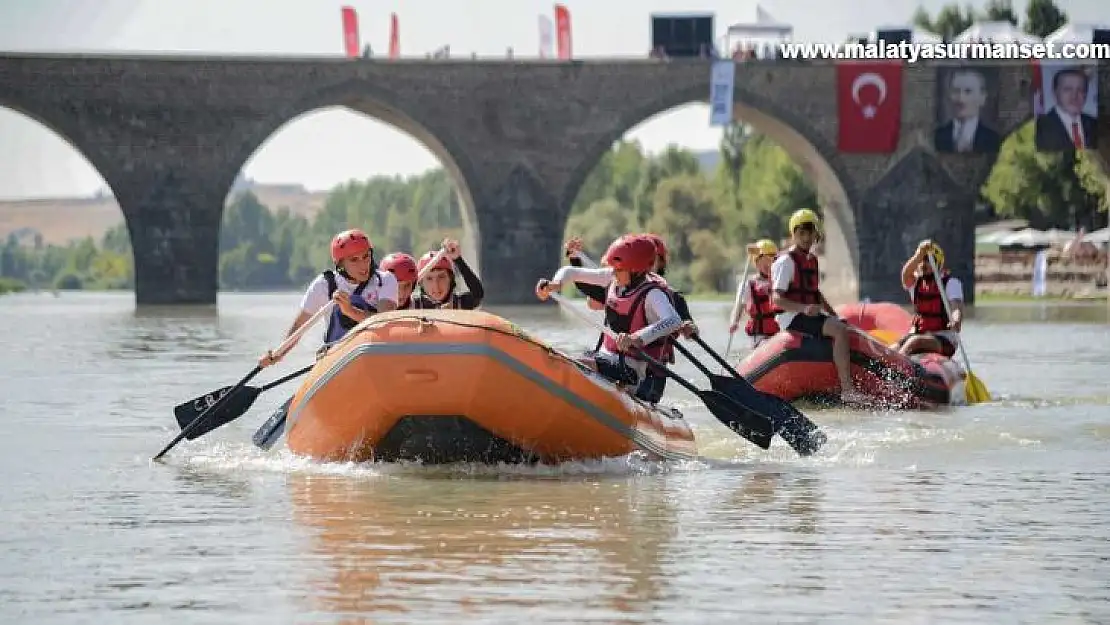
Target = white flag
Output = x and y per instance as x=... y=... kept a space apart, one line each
x=547 y=37
x=721 y=84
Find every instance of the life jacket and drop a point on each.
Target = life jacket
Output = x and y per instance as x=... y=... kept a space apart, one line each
x=805 y=285
x=626 y=314
x=927 y=303
x=761 y=312
x=339 y=324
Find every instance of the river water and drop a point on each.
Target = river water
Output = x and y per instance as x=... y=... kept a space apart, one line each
x=993 y=513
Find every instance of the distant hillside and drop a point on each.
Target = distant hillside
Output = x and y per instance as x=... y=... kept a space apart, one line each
x=63 y=219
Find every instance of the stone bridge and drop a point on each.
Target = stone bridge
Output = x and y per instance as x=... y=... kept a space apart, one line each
x=169 y=134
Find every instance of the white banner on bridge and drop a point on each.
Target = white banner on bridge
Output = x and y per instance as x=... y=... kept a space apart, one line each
x=721 y=86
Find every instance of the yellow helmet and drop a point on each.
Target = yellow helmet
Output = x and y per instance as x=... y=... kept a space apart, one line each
x=938 y=254
x=804 y=216
x=763 y=247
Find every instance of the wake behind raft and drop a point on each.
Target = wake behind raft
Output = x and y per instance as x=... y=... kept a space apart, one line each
x=443 y=386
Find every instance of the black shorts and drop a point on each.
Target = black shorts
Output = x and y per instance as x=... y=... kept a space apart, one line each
x=617 y=372
x=947 y=348
x=810 y=326
x=652 y=387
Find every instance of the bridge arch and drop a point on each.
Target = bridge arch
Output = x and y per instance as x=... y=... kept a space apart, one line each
x=378 y=103
x=97 y=216
x=799 y=139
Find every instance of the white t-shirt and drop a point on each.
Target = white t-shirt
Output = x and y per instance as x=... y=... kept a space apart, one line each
x=782 y=274
x=316 y=296
x=661 y=316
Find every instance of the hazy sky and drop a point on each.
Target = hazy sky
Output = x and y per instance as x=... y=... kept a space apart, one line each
x=324 y=148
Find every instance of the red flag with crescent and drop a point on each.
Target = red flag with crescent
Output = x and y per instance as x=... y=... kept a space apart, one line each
x=869 y=106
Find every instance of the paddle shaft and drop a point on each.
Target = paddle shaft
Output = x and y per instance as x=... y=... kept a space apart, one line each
x=281 y=350
x=734 y=316
x=948 y=310
x=265 y=436
x=282 y=380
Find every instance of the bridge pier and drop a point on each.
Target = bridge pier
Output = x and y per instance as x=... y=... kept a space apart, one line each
x=521 y=227
x=916 y=200
x=175 y=232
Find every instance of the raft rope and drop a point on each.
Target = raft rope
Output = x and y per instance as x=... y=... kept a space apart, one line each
x=520 y=334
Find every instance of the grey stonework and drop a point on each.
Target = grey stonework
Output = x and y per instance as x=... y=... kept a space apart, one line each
x=169 y=134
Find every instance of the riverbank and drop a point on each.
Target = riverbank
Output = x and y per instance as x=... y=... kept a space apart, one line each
x=7 y=285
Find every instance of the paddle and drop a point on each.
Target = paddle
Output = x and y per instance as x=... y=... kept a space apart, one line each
x=271 y=430
x=187 y=412
x=225 y=399
x=802 y=434
x=756 y=428
x=974 y=390
x=734 y=316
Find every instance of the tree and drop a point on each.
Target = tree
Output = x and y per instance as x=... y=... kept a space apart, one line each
x=949 y=22
x=1000 y=11
x=1043 y=17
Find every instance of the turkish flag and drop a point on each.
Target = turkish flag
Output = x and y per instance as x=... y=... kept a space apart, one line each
x=869 y=106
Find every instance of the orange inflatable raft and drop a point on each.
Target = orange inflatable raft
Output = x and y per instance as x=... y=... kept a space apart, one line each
x=467 y=386
x=793 y=366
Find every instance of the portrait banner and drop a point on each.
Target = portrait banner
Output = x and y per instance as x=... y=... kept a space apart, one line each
x=1069 y=97
x=967 y=110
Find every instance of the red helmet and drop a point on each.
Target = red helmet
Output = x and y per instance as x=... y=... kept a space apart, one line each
x=401 y=265
x=444 y=262
x=631 y=252
x=349 y=243
x=660 y=246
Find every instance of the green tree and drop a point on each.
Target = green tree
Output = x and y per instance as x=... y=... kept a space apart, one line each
x=1000 y=11
x=1043 y=17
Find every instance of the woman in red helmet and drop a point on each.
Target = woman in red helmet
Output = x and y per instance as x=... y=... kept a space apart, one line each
x=437 y=289
x=403 y=268
x=595 y=295
x=356 y=286
x=638 y=308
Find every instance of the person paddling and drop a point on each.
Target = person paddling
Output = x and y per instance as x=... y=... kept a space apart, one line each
x=403 y=268
x=356 y=286
x=932 y=330
x=795 y=280
x=638 y=308
x=437 y=289
x=761 y=312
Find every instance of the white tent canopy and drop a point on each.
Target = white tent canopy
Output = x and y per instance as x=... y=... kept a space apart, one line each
x=1074 y=33
x=764 y=26
x=995 y=32
x=1098 y=236
x=917 y=35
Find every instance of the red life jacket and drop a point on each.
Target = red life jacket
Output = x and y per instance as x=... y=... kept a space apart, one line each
x=761 y=312
x=626 y=314
x=931 y=316
x=805 y=285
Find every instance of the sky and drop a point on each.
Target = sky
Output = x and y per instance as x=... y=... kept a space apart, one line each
x=324 y=148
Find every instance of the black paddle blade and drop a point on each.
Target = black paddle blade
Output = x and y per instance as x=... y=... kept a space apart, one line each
x=803 y=435
x=757 y=429
x=231 y=410
x=270 y=431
